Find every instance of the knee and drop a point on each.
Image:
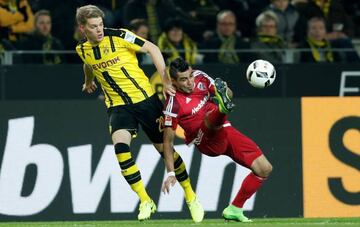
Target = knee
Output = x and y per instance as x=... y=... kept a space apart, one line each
x=264 y=170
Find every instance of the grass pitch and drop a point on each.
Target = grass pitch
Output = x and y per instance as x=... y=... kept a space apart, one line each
x=273 y=222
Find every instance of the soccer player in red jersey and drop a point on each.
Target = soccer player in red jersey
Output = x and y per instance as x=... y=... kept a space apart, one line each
x=205 y=124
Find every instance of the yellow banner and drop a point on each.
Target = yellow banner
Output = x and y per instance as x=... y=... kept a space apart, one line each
x=331 y=156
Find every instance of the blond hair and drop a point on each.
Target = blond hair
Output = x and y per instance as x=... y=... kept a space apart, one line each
x=86 y=12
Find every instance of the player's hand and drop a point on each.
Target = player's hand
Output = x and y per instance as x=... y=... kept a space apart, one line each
x=169 y=89
x=168 y=183
x=89 y=88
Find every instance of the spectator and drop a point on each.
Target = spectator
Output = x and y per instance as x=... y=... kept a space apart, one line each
x=196 y=16
x=41 y=39
x=287 y=16
x=267 y=38
x=338 y=23
x=141 y=28
x=316 y=42
x=16 y=18
x=173 y=42
x=227 y=41
x=71 y=43
x=155 y=12
x=321 y=48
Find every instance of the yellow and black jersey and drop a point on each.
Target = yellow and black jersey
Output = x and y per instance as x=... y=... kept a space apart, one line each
x=116 y=68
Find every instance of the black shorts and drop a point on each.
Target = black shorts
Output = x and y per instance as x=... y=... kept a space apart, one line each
x=147 y=113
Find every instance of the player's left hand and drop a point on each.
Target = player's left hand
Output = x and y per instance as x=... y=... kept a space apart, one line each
x=89 y=88
x=168 y=183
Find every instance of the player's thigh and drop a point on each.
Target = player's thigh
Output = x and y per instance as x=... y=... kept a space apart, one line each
x=241 y=148
x=121 y=119
x=212 y=144
x=150 y=116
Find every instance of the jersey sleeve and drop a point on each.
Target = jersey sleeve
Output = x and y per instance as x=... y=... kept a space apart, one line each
x=126 y=38
x=171 y=112
x=80 y=50
x=207 y=79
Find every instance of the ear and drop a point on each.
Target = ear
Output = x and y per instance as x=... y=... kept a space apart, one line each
x=82 y=28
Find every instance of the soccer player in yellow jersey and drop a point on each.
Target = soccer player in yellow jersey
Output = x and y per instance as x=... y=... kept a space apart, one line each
x=109 y=55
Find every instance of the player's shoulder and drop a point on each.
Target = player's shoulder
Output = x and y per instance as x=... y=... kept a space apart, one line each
x=124 y=35
x=81 y=43
x=173 y=99
x=117 y=32
x=200 y=75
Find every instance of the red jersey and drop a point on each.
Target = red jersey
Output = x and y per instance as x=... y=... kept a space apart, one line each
x=189 y=110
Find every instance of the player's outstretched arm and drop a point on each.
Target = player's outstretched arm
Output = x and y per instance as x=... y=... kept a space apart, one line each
x=89 y=85
x=170 y=180
x=159 y=63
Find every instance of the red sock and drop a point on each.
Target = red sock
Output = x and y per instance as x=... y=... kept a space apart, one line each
x=249 y=186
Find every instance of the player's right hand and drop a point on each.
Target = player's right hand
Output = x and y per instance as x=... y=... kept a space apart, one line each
x=168 y=183
x=168 y=89
x=89 y=88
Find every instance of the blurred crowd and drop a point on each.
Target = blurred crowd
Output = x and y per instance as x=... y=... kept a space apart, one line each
x=201 y=31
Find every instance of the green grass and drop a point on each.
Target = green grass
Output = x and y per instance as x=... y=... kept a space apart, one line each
x=273 y=222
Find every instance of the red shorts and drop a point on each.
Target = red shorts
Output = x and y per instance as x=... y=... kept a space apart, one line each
x=230 y=142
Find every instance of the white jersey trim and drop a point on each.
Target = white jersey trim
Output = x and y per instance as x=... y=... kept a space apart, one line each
x=169 y=114
x=169 y=107
x=199 y=72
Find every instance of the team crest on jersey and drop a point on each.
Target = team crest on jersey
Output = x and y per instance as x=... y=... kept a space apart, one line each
x=201 y=86
x=187 y=100
x=106 y=50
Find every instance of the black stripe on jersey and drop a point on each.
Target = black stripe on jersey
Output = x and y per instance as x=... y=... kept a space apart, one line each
x=114 y=32
x=112 y=44
x=108 y=97
x=133 y=178
x=97 y=53
x=82 y=50
x=124 y=96
x=134 y=82
x=139 y=42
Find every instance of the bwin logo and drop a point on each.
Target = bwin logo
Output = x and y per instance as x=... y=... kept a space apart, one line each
x=87 y=186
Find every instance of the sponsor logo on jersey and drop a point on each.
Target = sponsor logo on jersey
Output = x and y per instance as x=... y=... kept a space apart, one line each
x=200 y=105
x=105 y=64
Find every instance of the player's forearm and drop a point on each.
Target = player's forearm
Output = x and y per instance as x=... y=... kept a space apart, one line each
x=89 y=76
x=168 y=149
x=169 y=158
x=158 y=60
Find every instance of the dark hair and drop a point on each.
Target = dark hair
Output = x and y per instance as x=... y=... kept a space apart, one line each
x=177 y=65
x=136 y=23
x=172 y=23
